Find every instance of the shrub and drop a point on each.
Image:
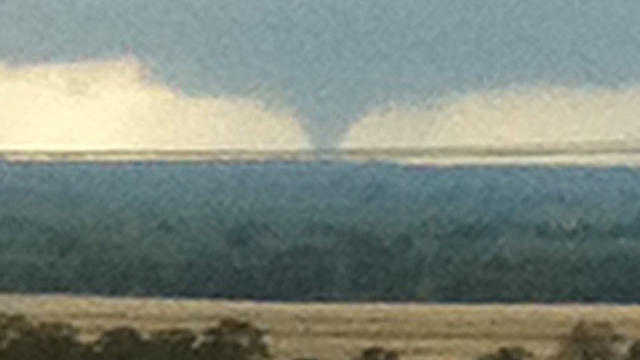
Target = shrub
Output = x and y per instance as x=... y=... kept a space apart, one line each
x=378 y=353
x=22 y=339
x=172 y=344
x=634 y=351
x=234 y=340
x=595 y=340
x=508 y=353
x=121 y=343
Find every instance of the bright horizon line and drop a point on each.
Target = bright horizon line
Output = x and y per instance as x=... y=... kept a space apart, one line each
x=602 y=153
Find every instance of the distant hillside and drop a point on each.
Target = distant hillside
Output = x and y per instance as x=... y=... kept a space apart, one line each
x=321 y=231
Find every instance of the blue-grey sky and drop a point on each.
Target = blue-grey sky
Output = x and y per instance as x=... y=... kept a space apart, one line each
x=332 y=61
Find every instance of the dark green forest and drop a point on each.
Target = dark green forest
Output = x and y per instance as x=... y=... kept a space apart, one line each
x=321 y=232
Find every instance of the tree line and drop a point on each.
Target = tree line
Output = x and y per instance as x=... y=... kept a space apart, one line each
x=439 y=261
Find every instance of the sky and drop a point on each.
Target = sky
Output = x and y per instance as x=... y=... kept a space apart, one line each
x=296 y=74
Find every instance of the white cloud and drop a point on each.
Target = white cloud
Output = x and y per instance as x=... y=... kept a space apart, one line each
x=101 y=105
x=571 y=125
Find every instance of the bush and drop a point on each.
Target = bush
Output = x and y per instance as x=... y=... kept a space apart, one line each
x=508 y=353
x=634 y=351
x=172 y=344
x=595 y=340
x=234 y=340
x=121 y=343
x=378 y=353
x=22 y=339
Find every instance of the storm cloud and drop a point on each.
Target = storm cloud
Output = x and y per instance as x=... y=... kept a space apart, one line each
x=115 y=104
x=510 y=125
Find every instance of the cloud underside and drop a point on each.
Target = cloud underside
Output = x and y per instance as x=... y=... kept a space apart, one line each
x=114 y=105
x=521 y=125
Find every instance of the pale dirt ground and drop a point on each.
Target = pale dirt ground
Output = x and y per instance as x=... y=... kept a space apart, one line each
x=339 y=331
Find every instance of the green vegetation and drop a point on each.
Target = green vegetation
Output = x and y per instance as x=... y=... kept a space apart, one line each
x=233 y=339
x=321 y=232
x=353 y=265
x=508 y=353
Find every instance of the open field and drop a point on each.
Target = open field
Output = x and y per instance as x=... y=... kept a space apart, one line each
x=339 y=331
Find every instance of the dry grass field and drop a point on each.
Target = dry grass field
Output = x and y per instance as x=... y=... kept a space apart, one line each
x=339 y=331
